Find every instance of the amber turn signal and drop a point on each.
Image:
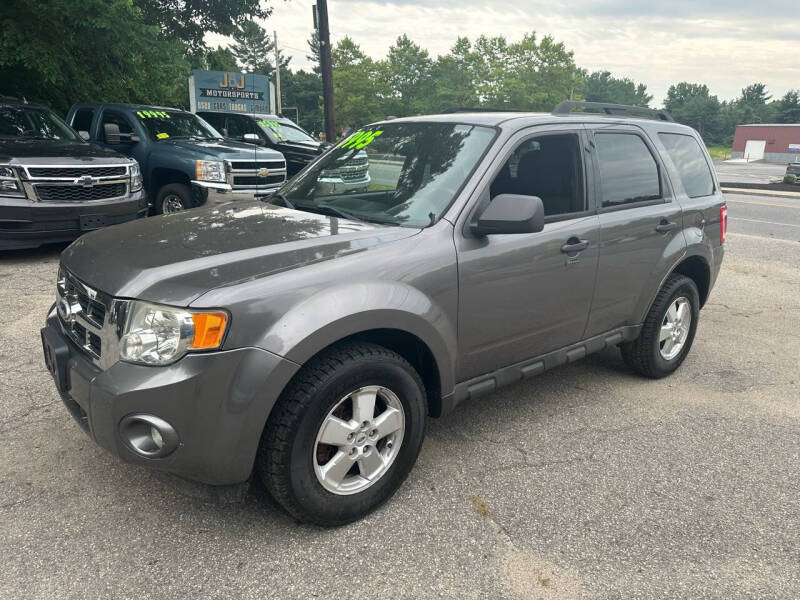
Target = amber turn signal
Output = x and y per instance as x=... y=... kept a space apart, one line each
x=209 y=328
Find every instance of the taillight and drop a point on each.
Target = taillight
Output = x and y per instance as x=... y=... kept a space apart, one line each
x=723 y=223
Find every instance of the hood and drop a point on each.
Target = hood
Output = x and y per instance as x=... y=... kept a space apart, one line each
x=30 y=151
x=223 y=149
x=173 y=259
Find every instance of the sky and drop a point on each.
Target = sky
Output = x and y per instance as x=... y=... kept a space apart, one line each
x=724 y=44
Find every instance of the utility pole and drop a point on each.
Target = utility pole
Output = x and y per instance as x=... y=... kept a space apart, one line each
x=326 y=68
x=277 y=72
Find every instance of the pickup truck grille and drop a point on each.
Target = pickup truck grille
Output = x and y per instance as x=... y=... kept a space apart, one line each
x=77 y=193
x=249 y=180
x=51 y=172
x=86 y=315
x=261 y=164
x=243 y=174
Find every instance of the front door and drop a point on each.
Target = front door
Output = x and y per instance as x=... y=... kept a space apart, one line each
x=523 y=295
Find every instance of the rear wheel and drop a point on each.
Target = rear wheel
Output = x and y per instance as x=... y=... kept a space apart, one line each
x=344 y=434
x=668 y=330
x=172 y=198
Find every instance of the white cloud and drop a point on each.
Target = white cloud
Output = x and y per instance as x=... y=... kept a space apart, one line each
x=724 y=44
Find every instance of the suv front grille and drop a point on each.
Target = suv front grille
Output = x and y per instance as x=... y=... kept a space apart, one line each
x=244 y=173
x=120 y=171
x=77 y=193
x=87 y=313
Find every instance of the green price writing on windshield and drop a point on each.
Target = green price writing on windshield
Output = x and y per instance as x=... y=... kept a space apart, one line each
x=269 y=123
x=153 y=114
x=361 y=139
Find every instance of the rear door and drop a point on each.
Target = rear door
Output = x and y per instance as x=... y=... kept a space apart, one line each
x=523 y=295
x=640 y=226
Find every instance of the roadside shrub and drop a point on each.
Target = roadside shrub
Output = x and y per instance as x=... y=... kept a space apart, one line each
x=789 y=178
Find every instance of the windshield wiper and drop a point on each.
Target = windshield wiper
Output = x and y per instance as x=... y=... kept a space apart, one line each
x=286 y=202
x=335 y=211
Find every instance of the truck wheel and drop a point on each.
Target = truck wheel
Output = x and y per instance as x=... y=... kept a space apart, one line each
x=668 y=330
x=344 y=434
x=172 y=198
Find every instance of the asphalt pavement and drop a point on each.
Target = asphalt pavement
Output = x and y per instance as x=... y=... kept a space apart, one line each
x=586 y=482
x=765 y=216
x=754 y=172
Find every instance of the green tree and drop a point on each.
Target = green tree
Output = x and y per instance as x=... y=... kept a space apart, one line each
x=752 y=104
x=189 y=20
x=788 y=109
x=359 y=85
x=408 y=71
x=221 y=59
x=59 y=52
x=303 y=90
x=454 y=80
x=692 y=104
x=253 y=48
x=601 y=86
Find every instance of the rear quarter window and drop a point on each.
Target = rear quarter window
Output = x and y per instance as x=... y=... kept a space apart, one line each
x=691 y=163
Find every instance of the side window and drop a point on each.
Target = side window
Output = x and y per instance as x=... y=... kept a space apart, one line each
x=82 y=119
x=628 y=171
x=549 y=167
x=691 y=163
x=217 y=121
x=125 y=127
x=238 y=126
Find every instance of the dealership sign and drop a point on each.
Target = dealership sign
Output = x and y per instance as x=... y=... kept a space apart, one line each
x=235 y=92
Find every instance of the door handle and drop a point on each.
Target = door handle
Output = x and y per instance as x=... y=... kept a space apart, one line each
x=664 y=226
x=574 y=245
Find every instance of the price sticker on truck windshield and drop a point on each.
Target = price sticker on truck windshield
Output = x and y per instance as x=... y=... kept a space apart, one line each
x=153 y=114
x=361 y=139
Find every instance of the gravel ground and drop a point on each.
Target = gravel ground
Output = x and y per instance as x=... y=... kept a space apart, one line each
x=586 y=482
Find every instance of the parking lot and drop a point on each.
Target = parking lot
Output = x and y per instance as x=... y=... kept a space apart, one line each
x=586 y=482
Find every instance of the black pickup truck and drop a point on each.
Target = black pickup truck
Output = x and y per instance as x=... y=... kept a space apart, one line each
x=54 y=185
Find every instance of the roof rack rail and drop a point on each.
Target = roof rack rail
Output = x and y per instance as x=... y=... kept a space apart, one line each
x=615 y=110
x=459 y=109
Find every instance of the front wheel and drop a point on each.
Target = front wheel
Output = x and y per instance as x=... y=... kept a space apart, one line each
x=344 y=434
x=172 y=198
x=668 y=331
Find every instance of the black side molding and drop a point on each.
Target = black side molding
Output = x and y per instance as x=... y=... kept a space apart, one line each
x=488 y=383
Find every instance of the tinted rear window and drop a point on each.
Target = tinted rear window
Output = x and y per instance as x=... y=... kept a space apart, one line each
x=691 y=163
x=628 y=171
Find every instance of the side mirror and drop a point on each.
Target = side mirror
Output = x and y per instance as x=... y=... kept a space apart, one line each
x=251 y=138
x=510 y=213
x=224 y=132
x=111 y=131
x=84 y=135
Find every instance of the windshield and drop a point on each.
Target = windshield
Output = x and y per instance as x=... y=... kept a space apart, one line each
x=172 y=124
x=283 y=132
x=36 y=123
x=398 y=173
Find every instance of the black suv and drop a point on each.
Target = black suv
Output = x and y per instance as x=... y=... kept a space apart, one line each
x=54 y=185
x=279 y=133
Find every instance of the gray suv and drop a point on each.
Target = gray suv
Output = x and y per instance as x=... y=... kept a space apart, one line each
x=307 y=337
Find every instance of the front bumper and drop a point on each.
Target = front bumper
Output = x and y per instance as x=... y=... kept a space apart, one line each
x=219 y=193
x=217 y=403
x=27 y=224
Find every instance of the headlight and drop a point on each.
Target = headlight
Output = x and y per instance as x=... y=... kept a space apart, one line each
x=136 y=177
x=159 y=335
x=10 y=185
x=210 y=170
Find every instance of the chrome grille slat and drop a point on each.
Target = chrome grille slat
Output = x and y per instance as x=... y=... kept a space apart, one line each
x=57 y=192
x=73 y=172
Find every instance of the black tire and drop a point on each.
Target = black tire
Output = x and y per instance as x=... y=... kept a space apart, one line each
x=643 y=355
x=285 y=460
x=181 y=190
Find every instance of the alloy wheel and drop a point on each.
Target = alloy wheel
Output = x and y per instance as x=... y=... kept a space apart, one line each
x=359 y=440
x=675 y=328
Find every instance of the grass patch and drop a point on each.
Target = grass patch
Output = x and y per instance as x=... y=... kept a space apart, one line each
x=719 y=152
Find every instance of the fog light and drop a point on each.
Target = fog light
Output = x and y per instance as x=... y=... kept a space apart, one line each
x=148 y=435
x=157 y=439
